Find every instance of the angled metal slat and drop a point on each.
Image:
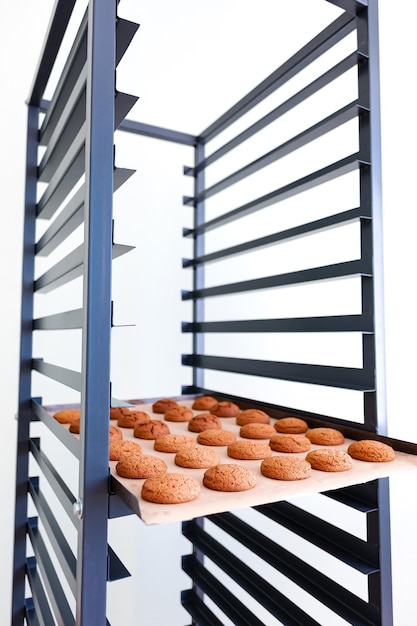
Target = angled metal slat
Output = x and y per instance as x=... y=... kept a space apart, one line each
x=70 y=267
x=56 y=595
x=55 y=534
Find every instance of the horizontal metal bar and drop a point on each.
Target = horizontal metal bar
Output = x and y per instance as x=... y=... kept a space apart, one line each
x=290 y=233
x=342 y=377
x=324 y=126
x=66 y=558
x=56 y=595
x=335 y=170
x=70 y=267
x=56 y=31
x=358 y=554
x=336 y=270
x=263 y=592
x=229 y=604
x=331 y=35
x=325 y=590
x=63 y=435
x=362 y=497
x=67 y=377
x=60 y=321
x=60 y=488
x=156 y=132
x=326 y=324
x=200 y=613
x=66 y=175
x=40 y=601
x=320 y=82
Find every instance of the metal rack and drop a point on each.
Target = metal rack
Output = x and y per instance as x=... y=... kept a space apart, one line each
x=77 y=132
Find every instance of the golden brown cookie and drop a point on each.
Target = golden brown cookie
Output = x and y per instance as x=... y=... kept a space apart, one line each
x=197 y=458
x=204 y=403
x=131 y=418
x=67 y=416
x=118 y=411
x=140 y=466
x=252 y=416
x=151 y=429
x=225 y=409
x=74 y=427
x=216 y=437
x=229 y=477
x=171 y=488
x=123 y=447
x=162 y=405
x=291 y=425
x=290 y=443
x=203 y=421
x=370 y=450
x=257 y=431
x=327 y=460
x=325 y=436
x=173 y=443
x=115 y=433
x=286 y=468
x=179 y=414
x=246 y=450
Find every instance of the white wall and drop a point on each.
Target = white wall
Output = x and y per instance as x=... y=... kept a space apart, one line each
x=191 y=109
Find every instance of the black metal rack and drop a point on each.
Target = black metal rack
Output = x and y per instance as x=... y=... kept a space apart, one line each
x=77 y=167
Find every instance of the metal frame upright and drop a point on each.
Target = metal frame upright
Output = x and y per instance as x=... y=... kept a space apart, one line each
x=78 y=130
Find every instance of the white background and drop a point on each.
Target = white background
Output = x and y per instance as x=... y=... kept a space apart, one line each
x=273 y=33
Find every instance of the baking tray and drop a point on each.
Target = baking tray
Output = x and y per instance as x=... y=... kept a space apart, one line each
x=266 y=489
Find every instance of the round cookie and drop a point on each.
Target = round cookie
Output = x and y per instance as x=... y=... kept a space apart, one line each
x=197 y=458
x=203 y=421
x=286 y=468
x=216 y=437
x=257 y=431
x=290 y=443
x=74 y=427
x=204 y=403
x=252 y=416
x=179 y=414
x=173 y=443
x=229 y=477
x=246 y=450
x=225 y=409
x=171 y=488
x=162 y=405
x=151 y=430
x=371 y=450
x=325 y=436
x=122 y=447
x=115 y=433
x=118 y=411
x=327 y=460
x=143 y=466
x=67 y=416
x=131 y=418
x=291 y=425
